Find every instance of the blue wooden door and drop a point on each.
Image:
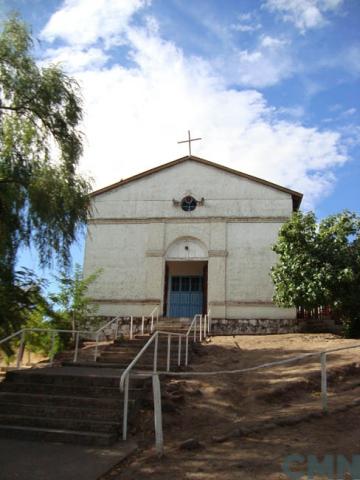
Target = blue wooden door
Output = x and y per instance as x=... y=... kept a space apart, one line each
x=186 y=296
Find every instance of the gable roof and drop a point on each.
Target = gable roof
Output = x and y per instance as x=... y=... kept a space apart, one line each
x=296 y=196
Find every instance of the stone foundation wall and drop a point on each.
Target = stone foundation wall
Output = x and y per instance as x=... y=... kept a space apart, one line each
x=123 y=325
x=260 y=326
x=221 y=326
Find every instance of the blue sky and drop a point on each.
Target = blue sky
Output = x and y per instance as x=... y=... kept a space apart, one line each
x=272 y=86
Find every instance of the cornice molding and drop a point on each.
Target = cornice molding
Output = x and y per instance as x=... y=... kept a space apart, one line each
x=142 y=220
x=238 y=303
x=127 y=301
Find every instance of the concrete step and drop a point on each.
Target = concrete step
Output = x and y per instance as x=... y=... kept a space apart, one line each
x=172 y=329
x=110 y=364
x=161 y=365
x=70 y=424
x=58 y=435
x=149 y=354
x=67 y=390
x=141 y=338
x=50 y=411
x=162 y=354
x=60 y=378
x=66 y=404
x=68 y=401
x=162 y=338
x=170 y=324
x=82 y=402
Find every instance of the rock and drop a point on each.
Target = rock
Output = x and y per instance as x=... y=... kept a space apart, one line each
x=191 y=444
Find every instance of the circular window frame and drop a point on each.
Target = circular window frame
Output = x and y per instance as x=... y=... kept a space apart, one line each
x=188 y=203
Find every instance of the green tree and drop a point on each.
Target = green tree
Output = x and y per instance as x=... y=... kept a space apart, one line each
x=44 y=202
x=319 y=264
x=74 y=304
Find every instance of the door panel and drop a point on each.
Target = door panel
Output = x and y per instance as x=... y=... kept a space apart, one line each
x=186 y=296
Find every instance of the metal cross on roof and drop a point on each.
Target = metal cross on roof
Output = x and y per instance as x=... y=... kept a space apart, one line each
x=189 y=141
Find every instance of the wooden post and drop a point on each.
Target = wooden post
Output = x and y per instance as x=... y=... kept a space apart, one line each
x=159 y=439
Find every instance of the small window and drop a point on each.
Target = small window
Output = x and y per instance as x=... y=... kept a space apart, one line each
x=188 y=204
x=195 y=284
x=175 y=284
x=185 y=284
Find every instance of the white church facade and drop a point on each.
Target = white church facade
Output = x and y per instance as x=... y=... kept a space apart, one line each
x=189 y=236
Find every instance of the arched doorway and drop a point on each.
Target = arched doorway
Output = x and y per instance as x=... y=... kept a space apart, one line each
x=185 y=292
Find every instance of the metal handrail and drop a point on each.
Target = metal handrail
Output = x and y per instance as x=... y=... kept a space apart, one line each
x=21 y=333
x=151 y=316
x=322 y=354
x=53 y=331
x=101 y=329
x=157 y=392
x=156 y=309
x=124 y=379
x=154 y=336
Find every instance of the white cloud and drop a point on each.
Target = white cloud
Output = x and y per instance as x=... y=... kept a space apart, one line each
x=266 y=65
x=271 y=42
x=349 y=112
x=246 y=22
x=81 y=22
x=74 y=59
x=135 y=115
x=351 y=59
x=304 y=14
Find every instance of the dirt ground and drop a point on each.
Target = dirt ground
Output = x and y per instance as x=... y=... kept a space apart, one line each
x=215 y=410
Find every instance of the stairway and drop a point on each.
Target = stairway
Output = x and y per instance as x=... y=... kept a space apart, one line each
x=81 y=402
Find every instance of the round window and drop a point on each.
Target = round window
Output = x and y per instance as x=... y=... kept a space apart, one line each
x=188 y=204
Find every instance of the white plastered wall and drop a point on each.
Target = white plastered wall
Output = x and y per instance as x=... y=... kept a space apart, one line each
x=133 y=227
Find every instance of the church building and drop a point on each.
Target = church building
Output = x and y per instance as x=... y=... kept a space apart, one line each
x=190 y=236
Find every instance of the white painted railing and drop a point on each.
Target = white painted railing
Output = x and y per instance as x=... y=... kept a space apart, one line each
x=153 y=319
x=21 y=334
x=157 y=392
x=53 y=332
x=198 y=330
